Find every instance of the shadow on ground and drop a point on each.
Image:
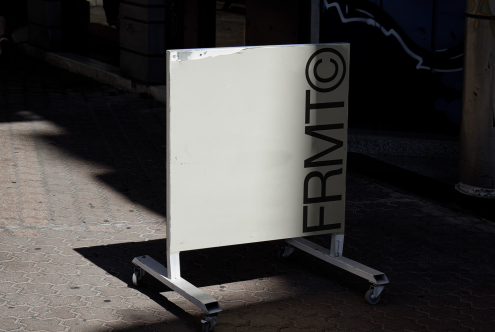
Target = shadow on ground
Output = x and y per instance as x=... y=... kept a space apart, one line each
x=123 y=134
x=441 y=264
x=245 y=278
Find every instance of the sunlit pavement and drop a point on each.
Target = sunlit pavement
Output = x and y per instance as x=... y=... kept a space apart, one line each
x=83 y=192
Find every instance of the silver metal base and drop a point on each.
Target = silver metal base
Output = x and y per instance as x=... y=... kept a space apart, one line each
x=205 y=302
x=334 y=256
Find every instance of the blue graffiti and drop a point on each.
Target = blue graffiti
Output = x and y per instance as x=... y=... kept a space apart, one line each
x=433 y=43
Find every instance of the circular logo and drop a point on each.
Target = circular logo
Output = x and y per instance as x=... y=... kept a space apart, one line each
x=328 y=70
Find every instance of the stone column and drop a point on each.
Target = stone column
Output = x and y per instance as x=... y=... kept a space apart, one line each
x=149 y=27
x=57 y=24
x=477 y=151
x=45 y=23
x=142 y=40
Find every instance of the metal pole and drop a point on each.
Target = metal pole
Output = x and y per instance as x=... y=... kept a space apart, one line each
x=477 y=137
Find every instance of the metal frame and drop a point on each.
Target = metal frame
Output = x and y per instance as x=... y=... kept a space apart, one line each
x=334 y=256
x=172 y=279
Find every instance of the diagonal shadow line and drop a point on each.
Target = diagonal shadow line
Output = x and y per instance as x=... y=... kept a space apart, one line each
x=121 y=132
x=219 y=267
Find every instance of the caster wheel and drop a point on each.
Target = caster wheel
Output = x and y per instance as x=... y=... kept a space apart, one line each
x=209 y=323
x=207 y=328
x=137 y=277
x=370 y=298
x=281 y=256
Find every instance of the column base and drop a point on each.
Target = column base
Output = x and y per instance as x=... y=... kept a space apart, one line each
x=479 y=200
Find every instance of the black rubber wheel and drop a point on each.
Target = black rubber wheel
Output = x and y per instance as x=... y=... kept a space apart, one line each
x=281 y=257
x=370 y=298
x=207 y=327
x=137 y=279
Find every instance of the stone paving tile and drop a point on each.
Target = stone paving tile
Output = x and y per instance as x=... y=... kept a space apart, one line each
x=442 y=325
x=20 y=311
x=35 y=324
x=9 y=324
x=64 y=300
x=345 y=323
x=257 y=329
x=102 y=314
x=83 y=325
x=54 y=312
x=82 y=192
x=311 y=322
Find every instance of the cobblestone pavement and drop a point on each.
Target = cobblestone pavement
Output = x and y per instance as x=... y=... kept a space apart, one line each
x=83 y=191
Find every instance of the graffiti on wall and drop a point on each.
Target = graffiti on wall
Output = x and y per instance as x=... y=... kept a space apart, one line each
x=480 y=9
x=406 y=61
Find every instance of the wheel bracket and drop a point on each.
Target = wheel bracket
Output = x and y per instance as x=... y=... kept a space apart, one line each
x=288 y=250
x=377 y=290
x=209 y=322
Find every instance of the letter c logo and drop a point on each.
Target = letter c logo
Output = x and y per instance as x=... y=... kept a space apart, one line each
x=326 y=83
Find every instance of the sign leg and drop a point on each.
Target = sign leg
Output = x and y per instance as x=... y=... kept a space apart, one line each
x=206 y=303
x=173 y=263
x=334 y=256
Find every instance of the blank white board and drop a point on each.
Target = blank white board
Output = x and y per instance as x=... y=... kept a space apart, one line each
x=257 y=141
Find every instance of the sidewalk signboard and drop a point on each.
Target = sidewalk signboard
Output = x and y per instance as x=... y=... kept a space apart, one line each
x=256 y=151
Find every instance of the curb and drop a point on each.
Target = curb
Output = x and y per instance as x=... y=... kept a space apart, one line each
x=91 y=68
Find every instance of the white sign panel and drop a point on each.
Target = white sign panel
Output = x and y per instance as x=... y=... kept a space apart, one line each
x=257 y=143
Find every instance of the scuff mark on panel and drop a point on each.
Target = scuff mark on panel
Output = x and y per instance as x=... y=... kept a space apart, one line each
x=213 y=52
x=197 y=54
x=184 y=55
